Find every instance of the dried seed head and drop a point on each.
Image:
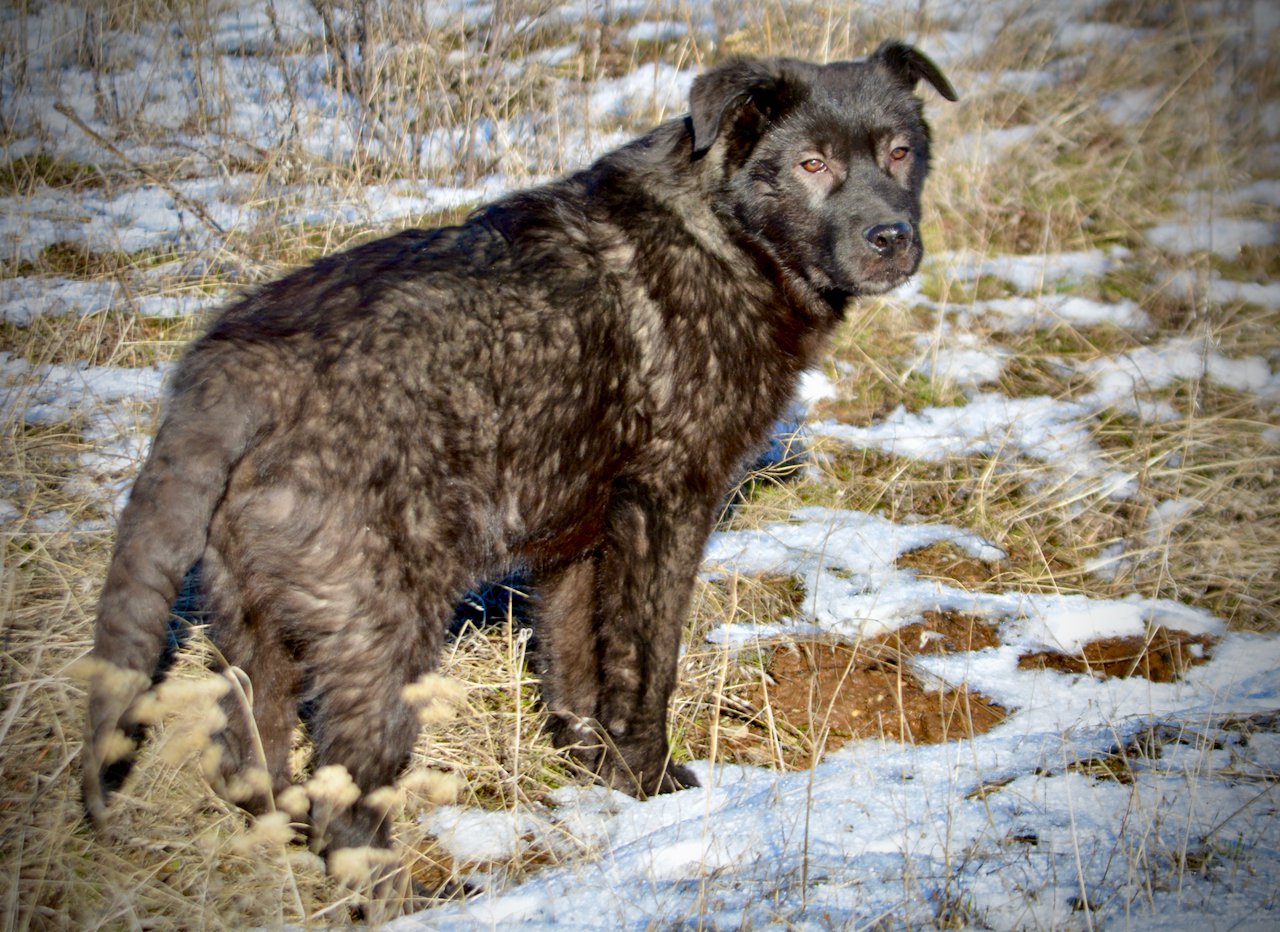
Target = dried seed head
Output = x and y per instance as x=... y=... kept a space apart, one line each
x=434 y=686
x=436 y=697
x=271 y=829
x=114 y=747
x=385 y=799
x=355 y=867
x=179 y=696
x=306 y=860
x=254 y=781
x=332 y=784
x=213 y=720
x=181 y=744
x=438 y=789
x=108 y=678
x=188 y=736
x=294 y=800
x=211 y=762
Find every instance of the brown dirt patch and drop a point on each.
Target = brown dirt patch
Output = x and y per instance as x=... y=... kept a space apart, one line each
x=941 y=633
x=441 y=878
x=434 y=872
x=810 y=697
x=866 y=694
x=1162 y=656
x=815 y=696
x=942 y=561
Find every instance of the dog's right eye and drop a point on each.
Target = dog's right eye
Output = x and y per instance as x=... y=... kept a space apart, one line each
x=813 y=166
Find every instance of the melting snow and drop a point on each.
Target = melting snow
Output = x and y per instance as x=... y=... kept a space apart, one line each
x=1124 y=381
x=1030 y=273
x=963 y=361
x=1022 y=313
x=1052 y=432
x=1224 y=237
x=650 y=88
x=22 y=300
x=876 y=829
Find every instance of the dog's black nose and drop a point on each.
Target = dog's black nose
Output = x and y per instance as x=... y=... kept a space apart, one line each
x=888 y=238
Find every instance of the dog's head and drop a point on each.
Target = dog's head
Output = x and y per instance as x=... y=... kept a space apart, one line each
x=821 y=166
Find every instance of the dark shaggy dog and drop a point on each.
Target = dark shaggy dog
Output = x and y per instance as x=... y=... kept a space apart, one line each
x=567 y=382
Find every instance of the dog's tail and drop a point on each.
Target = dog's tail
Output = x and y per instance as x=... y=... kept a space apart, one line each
x=208 y=427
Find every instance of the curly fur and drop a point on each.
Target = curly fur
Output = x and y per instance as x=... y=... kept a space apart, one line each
x=566 y=382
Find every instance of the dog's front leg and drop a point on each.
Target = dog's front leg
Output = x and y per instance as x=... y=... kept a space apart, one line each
x=645 y=575
x=610 y=624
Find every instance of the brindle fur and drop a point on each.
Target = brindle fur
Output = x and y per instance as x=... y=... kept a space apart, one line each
x=566 y=382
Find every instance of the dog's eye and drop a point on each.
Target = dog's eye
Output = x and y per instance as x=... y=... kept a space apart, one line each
x=813 y=166
x=898 y=153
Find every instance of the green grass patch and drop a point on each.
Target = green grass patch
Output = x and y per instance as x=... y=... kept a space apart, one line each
x=70 y=259
x=1129 y=282
x=937 y=287
x=1070 y=341
x=28 y=172
x=108 y=339
x=1254 y=263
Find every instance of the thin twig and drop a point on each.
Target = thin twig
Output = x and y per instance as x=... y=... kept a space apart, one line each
x=246 y=262
x=201 y=214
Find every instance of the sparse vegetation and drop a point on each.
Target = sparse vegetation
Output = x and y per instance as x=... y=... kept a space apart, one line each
x=452 y=100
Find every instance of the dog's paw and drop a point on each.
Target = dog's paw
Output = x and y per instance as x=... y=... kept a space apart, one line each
x=110 y=740
x=650 y=772
x=676 y=777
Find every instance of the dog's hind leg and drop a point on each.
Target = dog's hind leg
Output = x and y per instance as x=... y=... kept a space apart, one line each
x=358 y=670
x=162 y=532
x=261 y=709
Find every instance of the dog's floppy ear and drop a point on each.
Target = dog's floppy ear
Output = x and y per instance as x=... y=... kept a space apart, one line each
x=909 y=65
x=721 y=93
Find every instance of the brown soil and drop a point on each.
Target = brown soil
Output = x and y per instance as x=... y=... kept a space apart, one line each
x=438 y=877
x=817 y=695
x=942 y=561
x=867 y=694
x=814 y=696
x=940 y=633
x=1162 y=656
x=435 y=873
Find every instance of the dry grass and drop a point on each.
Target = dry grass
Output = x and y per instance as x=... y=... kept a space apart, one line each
x=180 y=858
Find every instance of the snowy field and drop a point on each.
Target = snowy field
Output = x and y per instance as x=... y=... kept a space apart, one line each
x=1047 y=389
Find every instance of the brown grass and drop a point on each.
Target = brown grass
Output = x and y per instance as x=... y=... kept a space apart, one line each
x=180 y=858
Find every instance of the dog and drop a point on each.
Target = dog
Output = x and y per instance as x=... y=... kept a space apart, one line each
x=567 y=382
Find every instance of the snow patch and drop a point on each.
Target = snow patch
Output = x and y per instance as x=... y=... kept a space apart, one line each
x=651 y=89
x=23 y=300
x=1030 y=273
x=1018 y=313
x=1224 y=237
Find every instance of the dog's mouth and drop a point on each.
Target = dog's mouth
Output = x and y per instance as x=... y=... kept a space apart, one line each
x=845 y=275
x=837 y=296
x=881 y=285
x=876 y=276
